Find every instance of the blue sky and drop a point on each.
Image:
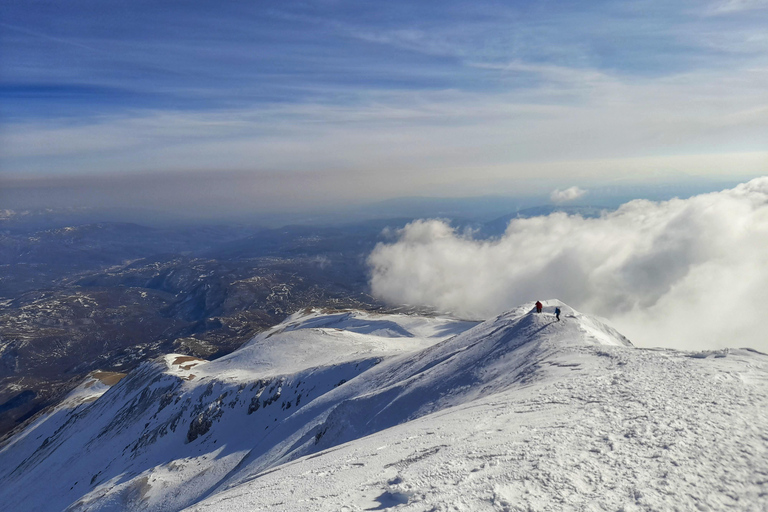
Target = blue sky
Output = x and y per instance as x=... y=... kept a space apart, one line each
x=380 y=99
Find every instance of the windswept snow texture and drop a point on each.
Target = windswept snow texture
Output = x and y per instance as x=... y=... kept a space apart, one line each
x=353 y=411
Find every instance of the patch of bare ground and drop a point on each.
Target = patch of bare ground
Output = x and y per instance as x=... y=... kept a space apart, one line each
x=185 y=359
x=108 y=378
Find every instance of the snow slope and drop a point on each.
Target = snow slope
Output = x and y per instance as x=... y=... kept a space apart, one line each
x=352 y=411
x=169 y=431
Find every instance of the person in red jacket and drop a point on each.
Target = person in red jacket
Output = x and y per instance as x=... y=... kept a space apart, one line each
x=538 y=306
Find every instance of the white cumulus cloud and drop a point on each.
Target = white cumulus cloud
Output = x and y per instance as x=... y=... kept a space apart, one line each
x=569 y=194
x=686 y=273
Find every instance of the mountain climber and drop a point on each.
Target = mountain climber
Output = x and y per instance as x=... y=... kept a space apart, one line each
x=538 y=306
x=557 y=313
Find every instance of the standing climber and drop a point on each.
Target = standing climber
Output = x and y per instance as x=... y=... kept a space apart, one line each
x=538 y=306
x=557 y=313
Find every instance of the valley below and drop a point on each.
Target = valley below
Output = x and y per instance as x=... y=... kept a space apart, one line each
x=109 y=296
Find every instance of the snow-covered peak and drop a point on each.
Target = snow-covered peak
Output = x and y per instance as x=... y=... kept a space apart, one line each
x=362 y=397
x=492 y=357
x=575 y=327
x=315 y=338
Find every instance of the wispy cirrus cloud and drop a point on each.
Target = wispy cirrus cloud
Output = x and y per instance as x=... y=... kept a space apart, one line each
x=568 y=121
x=459 y=96
x=735 y=6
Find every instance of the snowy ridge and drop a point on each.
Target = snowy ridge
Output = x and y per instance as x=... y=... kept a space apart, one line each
x=498 y=354
x=355 y=411
x=187 y=422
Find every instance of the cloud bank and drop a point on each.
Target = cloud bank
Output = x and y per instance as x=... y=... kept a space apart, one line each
x=685 y=273
x=570 y=194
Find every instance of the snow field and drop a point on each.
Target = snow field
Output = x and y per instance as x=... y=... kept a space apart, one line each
x=600 y=433
x=356 y=411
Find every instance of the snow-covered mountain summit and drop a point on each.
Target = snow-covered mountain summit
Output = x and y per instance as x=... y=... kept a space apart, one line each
x=352 y=410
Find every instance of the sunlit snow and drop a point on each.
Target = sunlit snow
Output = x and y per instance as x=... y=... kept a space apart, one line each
x=358 y=411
